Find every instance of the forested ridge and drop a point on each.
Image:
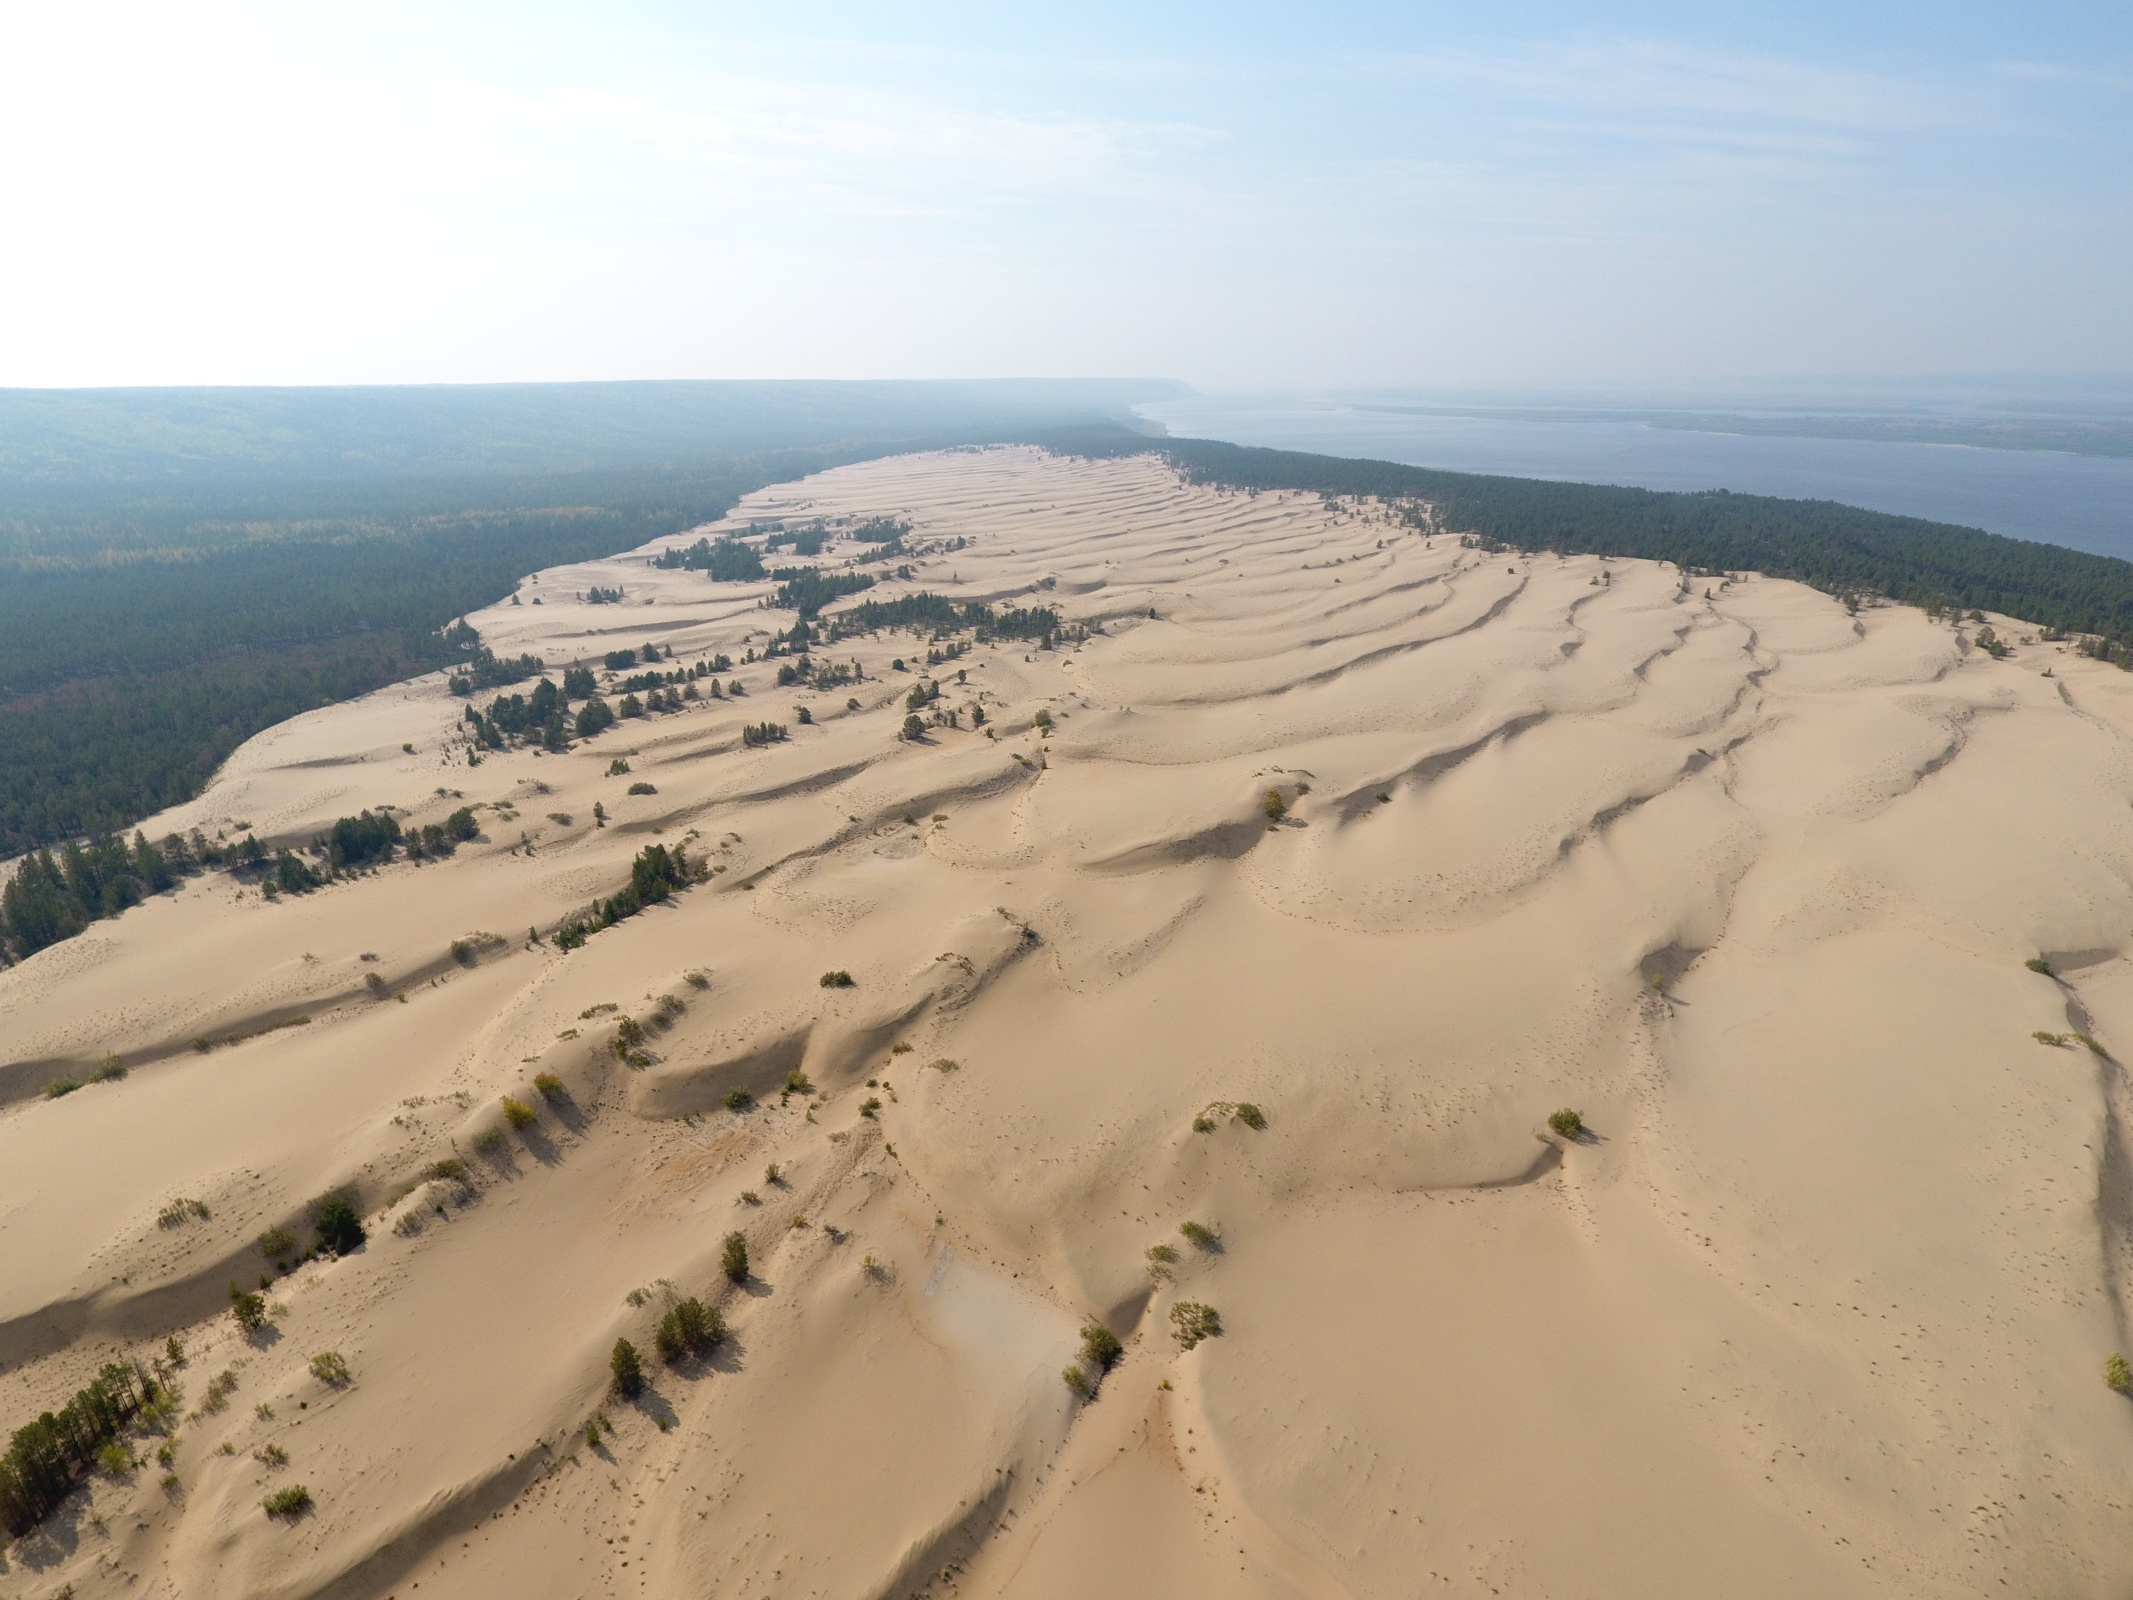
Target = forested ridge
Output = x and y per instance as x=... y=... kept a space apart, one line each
x=1838 y=548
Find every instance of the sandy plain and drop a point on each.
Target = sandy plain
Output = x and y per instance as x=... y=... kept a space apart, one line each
x=1819 y=1304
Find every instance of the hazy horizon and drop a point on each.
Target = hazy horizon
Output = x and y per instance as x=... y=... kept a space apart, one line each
x=1526 y=197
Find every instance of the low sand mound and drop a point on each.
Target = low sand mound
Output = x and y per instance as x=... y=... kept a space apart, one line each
x=1216 y=987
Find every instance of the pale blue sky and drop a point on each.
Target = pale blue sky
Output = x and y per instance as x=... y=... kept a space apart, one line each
x=1238 y=196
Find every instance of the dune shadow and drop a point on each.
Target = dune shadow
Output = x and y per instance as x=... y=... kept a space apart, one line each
x=541 y=1147
x=567 y=1111
x=54 y=1541
x=655 y=1405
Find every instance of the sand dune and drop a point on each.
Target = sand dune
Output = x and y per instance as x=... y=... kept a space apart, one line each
x=1819 y=1304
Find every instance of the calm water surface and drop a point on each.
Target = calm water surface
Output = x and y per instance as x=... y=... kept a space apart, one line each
x=2085 y=502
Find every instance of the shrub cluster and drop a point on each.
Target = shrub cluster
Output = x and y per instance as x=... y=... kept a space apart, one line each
x=1190 y=1322
x=690 y=1328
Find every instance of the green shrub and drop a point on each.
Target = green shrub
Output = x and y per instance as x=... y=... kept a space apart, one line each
x=489 y=1141
x=1251 y=1116
x=2117 y=1374
x=738 y=1099
x=108 y=1070
x=271 y=1456
x=463 y=952
x=1162 y=1255
x=2054 y=1039
x=2091 y=1045
x=340 y=1230
x=1198 y=1236
x=550 y=1086
x=1100 y=1348
x=276 y=1243
x=1190 y=1322
x=329 y=1368
x=1566 y=1122
x=733 y=1260
x=291 y=1502
x=2040 y=966
x=519 y=1114
x=1203 y=1123
x=689 y=1328
x=642 y=788
x=115 y=1458
x=450 y=1170
x=943 y=1064
x=618 y=768
x=1079 y=1380
x=628 y=1369
x=839 y=979
x=796 y=1082
x=219 y=1388
x=61 y=1086
x=248 y=1308
x=869 y=1106
x=1274 y=806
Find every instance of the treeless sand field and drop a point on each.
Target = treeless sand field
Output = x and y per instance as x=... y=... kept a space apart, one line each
x=1818 y=1305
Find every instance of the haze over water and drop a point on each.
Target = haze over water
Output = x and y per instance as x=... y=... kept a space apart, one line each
x=2081 y=501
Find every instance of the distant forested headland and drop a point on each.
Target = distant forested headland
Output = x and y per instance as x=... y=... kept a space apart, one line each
x=180 y=569
x=1837 y=548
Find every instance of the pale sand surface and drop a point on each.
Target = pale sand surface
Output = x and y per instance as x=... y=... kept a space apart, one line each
x=1820 y=1307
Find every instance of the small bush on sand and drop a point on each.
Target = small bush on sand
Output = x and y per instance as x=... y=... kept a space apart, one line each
x=689 y=1328
x=1274 y=806
x=839 y=979
x=450 y=1170
x=1079 y=1379
x=1251 y=1116
x=628 y=1370
x=738 y=1099
x=115 y=1459
x=59 y=1088
x=1190 y=1322
x=489 y=1141
x=1162 y=1255
x=219 y=1389
x=271 y=1456
x=2057 y=1040
x=2117 y=1374
x=1566 y=1122
x=550 y=1086
x=1100 y=1348
x=641 y=787
x=248 y=1308
x=733 y=1260
x=329 y=1368
x=2039 y=965
x=1198 y=1235
x=869 y=1106
x=291 y=1502
x=340 y=1230
x=519 y=1114
x=374 y=983
x=108 y=1070
x=796 y=1082
x=943 y=1064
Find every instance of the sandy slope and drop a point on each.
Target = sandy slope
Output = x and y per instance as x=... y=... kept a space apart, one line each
x=1820 y=1306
